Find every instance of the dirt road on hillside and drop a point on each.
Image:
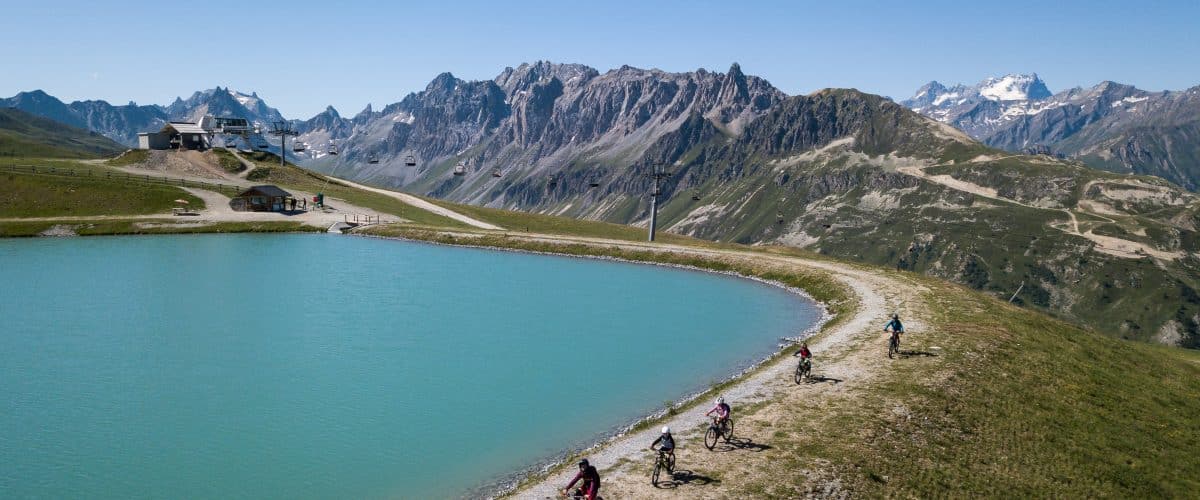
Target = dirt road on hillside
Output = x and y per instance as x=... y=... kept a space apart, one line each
x=423 y=205
x=1107 y=244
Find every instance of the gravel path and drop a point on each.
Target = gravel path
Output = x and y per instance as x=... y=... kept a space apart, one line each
x=424 y=205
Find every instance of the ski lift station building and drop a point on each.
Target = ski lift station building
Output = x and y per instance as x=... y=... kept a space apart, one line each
x=188 y=135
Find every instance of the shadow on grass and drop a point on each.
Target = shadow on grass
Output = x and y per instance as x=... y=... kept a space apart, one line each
x=918 y=353
x=817 y=379
x=741 y=444
x=682 y=477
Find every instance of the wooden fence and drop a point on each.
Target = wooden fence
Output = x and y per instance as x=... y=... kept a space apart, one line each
x=93 y=174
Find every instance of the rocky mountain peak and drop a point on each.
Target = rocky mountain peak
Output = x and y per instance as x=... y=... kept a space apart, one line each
x=1014 y=87
x=926 y=95
x=526 y=75
x=1112 y=88
x=443 y=82
x=33 y=94
x=39 y=103
x=735 y=71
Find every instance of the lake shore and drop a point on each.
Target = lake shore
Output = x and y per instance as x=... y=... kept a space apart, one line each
x=855 y=295
x=867 y=424
x=742 y=383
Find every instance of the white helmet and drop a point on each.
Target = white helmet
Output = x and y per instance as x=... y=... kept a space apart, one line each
x=721 y=400
x=666 y=430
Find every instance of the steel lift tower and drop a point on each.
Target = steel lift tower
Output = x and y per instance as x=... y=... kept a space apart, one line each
x=658 y=175
x=282 y=130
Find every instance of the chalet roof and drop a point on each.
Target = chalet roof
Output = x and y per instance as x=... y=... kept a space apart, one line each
x=265 y=190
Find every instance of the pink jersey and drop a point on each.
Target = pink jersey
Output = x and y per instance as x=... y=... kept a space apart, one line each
x=721 y=409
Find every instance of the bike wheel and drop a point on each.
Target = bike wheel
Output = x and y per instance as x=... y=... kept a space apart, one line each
x=710 y=437
x=657 y=468
x=799 y=373
x=671 y=463
x=728 y=430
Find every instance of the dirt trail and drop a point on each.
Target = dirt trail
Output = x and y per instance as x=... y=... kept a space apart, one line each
x=250 y=166
x=848 y=357
x=1107 y=244
x=423 y=205
x=223 y=179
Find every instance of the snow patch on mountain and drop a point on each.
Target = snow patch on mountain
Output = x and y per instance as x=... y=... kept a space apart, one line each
x=937 y=101
x=1014 y=88
x=1128 y=100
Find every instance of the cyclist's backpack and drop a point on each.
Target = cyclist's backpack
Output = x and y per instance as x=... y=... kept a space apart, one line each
x=725 y=406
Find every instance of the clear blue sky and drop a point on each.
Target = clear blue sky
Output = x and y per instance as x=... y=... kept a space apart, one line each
x=376 y=52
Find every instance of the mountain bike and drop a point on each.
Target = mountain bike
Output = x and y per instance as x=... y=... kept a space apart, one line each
x=665 y=460
x=718 y=431
x=576 y=495
x=803 y=369
x=894 y=344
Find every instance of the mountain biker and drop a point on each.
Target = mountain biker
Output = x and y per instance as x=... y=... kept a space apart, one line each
x=721 y=409
x=666 y=442
x=591 y=481
x=897 y=329
x=804 y=353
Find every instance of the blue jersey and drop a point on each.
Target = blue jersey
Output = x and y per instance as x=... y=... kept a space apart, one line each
x=894 y=325
x=667 y=441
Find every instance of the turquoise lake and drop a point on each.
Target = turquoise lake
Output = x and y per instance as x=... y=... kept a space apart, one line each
x=326 y=366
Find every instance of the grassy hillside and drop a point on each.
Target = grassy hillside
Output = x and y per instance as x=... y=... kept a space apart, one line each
x=117 y=226
x=1021 y=405
x=24 y=195
x=227 y=161
x=550 y=224
x=26 y=135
